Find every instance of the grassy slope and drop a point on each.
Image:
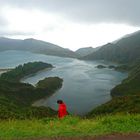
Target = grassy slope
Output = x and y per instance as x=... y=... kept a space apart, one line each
x=129 y=86
x=10 y=110
x=69 y=126
x=126 y=104
x=16 y=98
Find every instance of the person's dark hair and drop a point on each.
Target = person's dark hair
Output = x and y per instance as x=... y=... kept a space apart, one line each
x=59 y=101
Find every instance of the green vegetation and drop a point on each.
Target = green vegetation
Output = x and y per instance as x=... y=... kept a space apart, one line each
x=69 y=126
x=123 y=68
x=111 y=67
x=129 y=86
x=101 y=66
x=23 y=70
x=12 y=110
x=118 y=105
x=16 y=98
x=50 y=84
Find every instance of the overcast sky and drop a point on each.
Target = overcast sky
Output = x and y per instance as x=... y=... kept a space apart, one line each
x=69 y=23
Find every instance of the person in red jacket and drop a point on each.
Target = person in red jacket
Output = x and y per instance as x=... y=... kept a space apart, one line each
x=62 y=110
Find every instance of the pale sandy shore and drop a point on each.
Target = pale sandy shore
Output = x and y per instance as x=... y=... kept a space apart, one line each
x=3 y=70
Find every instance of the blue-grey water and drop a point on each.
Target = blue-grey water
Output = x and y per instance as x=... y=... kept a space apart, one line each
x=84 y=86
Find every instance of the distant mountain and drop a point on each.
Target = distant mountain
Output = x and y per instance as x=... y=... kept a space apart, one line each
x=86 y=51
x=35 y=46
x=126 y=49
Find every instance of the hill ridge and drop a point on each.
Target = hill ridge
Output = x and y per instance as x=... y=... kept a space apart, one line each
x=35 y=46
x=126 y=49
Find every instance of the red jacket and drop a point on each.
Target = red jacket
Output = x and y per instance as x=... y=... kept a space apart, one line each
x=62 y=111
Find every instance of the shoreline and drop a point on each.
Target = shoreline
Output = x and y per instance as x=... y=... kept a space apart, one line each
x=5 y=69
x=31 y=75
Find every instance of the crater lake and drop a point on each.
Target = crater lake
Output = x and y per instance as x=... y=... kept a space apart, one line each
x=84 y=85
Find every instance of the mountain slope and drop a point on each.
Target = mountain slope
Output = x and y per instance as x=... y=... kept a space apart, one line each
x=35 y=46
x=127 y=49
x=86 y=51
x=129 y=86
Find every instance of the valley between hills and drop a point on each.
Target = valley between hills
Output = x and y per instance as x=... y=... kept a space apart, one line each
x=119 y=115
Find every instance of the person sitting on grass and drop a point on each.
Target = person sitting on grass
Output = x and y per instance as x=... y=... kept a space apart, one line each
x=62 y=110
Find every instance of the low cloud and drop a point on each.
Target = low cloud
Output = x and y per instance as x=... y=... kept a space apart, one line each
x=69 y=23
x=4 y=32
x=90 y=11
x=3 y=21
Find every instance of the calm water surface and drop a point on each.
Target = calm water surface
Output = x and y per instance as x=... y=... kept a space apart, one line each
x=84 y=86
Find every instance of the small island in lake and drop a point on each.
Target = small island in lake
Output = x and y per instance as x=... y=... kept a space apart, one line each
x=111 y=67
x=100 y=66
x=23 y=70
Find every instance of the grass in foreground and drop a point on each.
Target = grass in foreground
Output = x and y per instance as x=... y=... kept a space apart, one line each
x=69 y=126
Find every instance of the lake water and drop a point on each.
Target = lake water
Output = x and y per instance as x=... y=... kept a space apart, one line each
x=84 y=87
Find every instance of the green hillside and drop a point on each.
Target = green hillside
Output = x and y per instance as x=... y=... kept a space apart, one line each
x=118 y=105
x=129 y=86
x=16 y=98
x=13 y=110
x=21 y=71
